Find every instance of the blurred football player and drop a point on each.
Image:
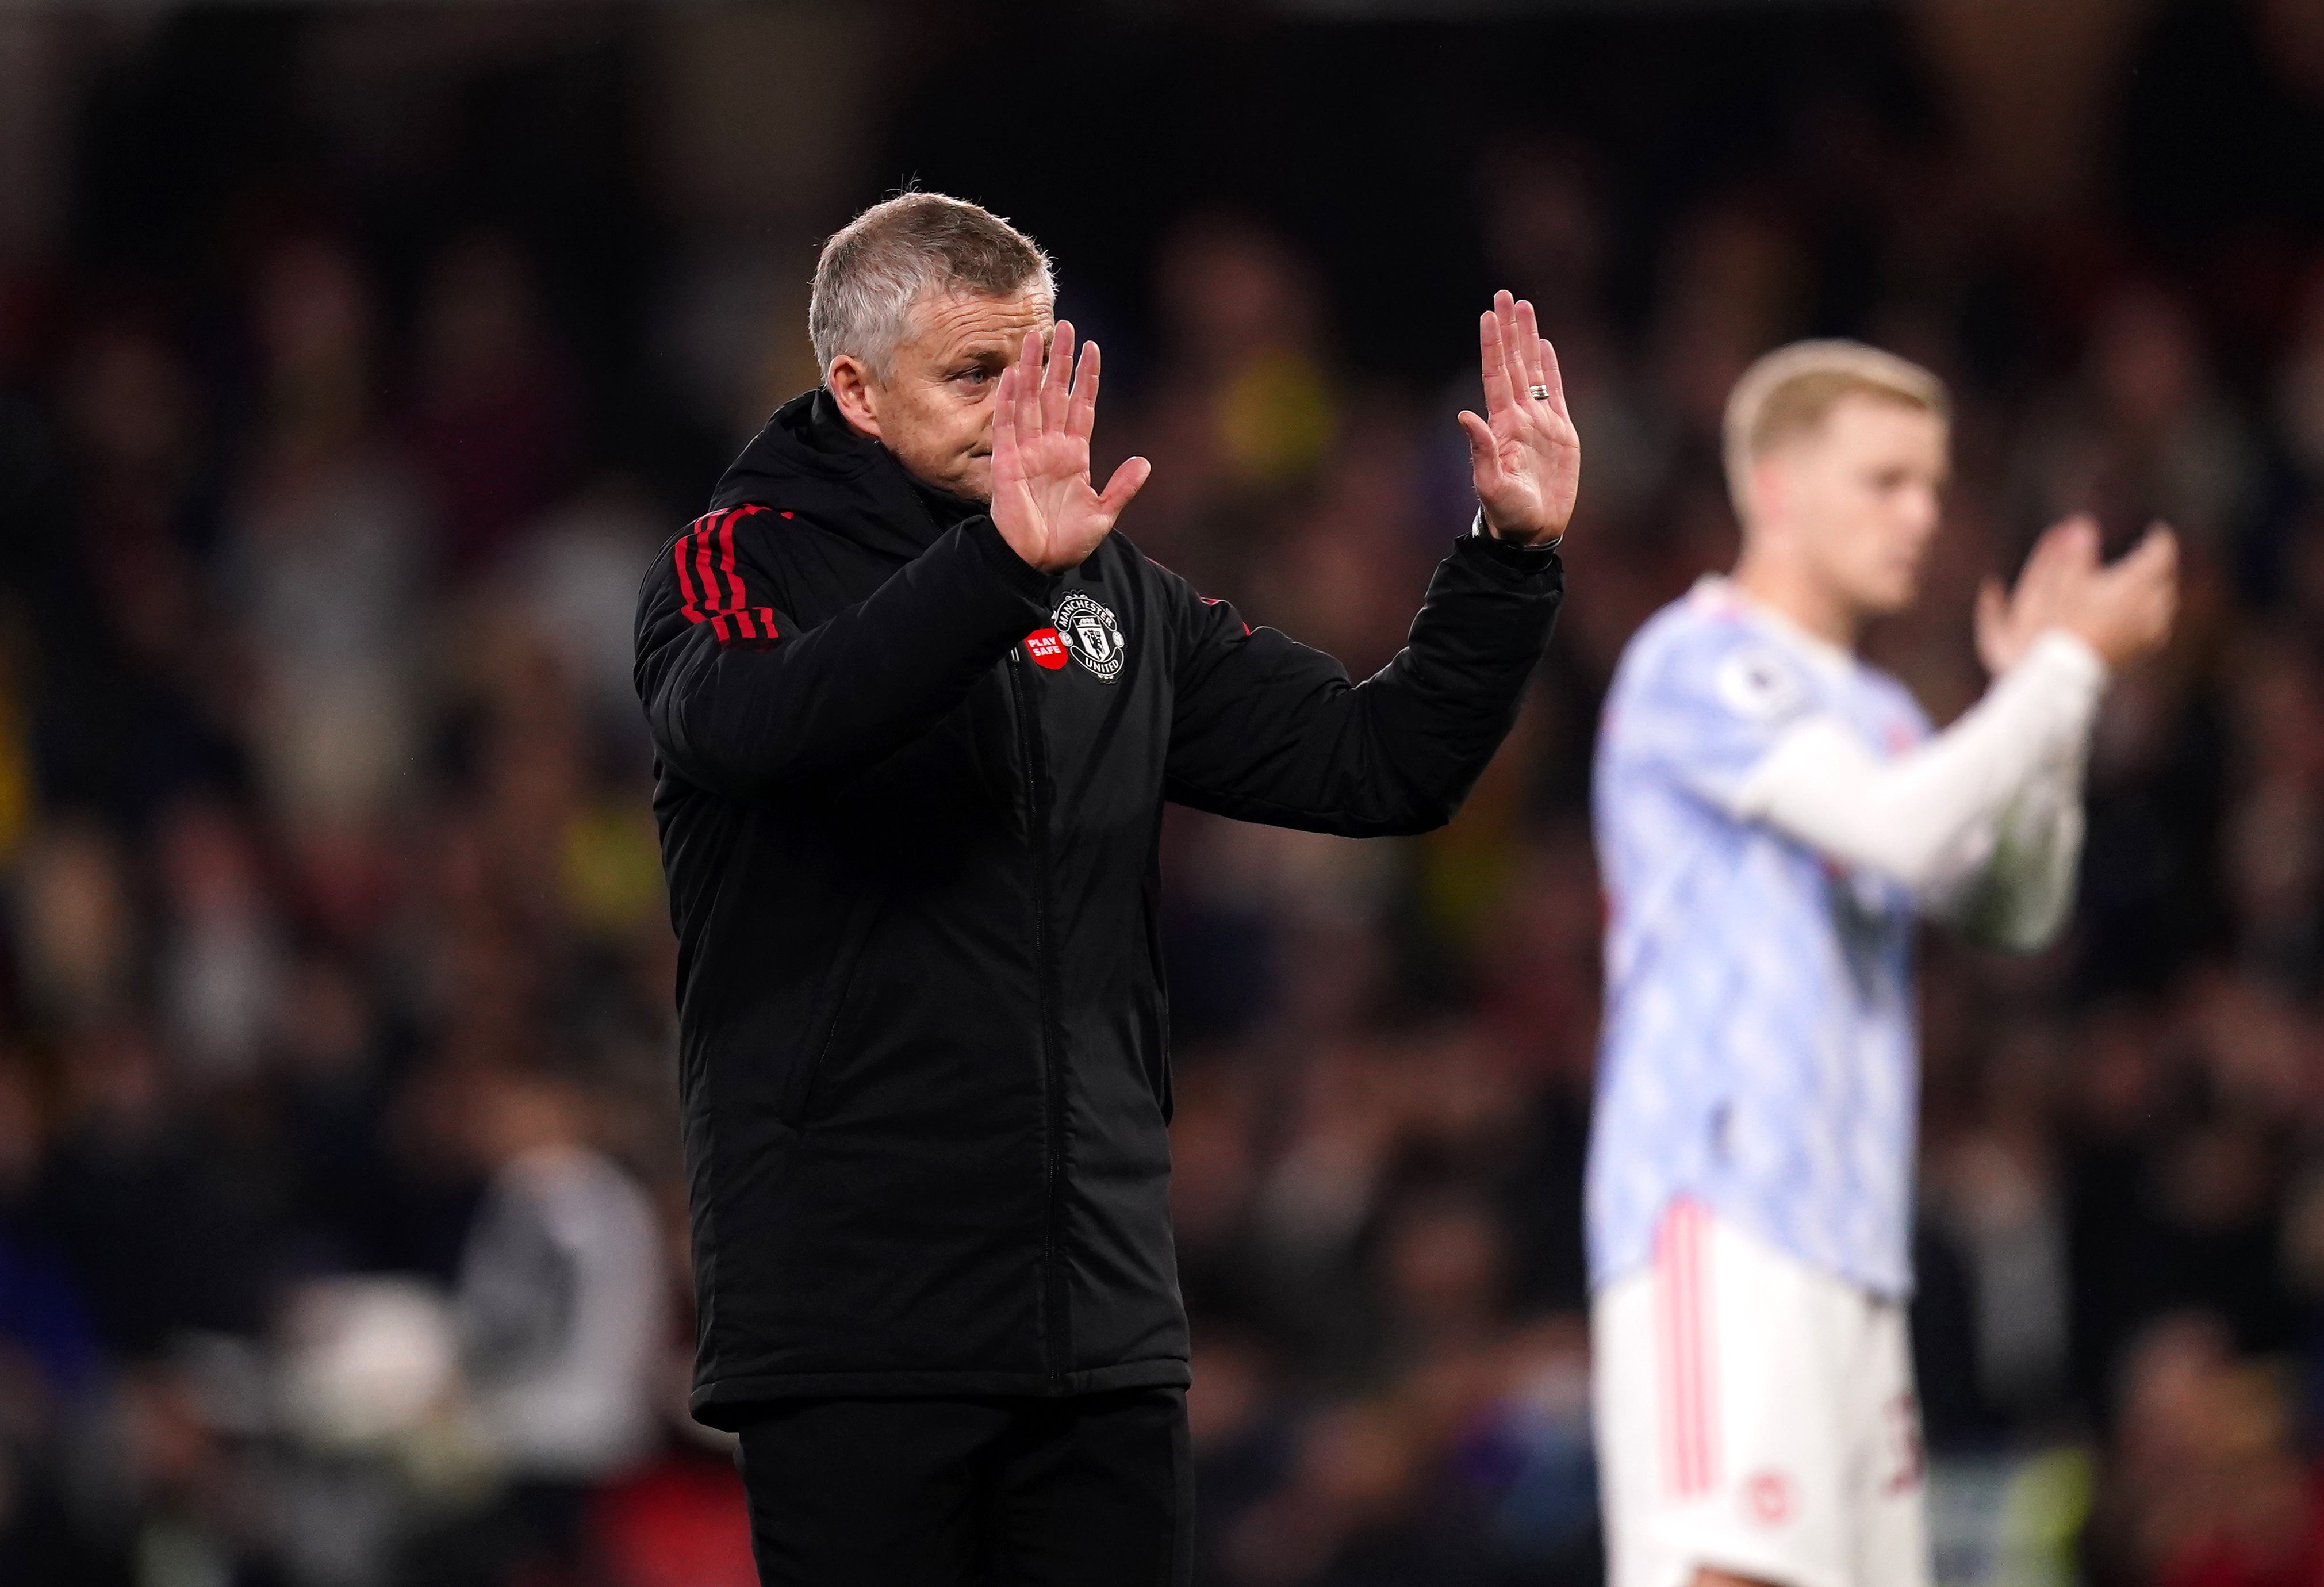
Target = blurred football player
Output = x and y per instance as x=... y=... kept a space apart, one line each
x=1772 y=817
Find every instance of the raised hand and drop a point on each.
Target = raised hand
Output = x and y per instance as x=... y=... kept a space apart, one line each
x=1525 y=454
x=2126 y=608
x=2065 y=557
x=1042 y=501
x=2123 y=609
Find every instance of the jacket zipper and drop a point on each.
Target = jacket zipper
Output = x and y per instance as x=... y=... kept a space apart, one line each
x=1054 y=1294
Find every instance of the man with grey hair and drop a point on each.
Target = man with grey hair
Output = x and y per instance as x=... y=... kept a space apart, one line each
x=916 y=711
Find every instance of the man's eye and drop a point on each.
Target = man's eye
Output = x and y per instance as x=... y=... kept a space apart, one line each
x=975 y=377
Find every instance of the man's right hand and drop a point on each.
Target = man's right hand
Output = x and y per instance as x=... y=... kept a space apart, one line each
x=1042 y=500
x=2123 y=610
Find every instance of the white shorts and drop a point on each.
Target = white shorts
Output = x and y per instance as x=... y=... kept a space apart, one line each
x=1753 y=1415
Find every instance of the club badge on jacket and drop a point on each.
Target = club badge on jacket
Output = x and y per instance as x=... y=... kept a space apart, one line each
x=1087 y=629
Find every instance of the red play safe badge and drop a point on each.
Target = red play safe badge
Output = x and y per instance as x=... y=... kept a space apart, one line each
x=1046 y=646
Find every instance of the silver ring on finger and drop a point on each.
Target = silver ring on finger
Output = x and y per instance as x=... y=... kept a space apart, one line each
x=1538 y=393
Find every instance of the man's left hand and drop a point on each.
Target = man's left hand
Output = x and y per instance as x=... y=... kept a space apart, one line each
x=1525 y=454
x=1042 y=500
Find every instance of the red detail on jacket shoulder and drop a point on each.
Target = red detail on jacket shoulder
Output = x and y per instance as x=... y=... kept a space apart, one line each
x=1046 y=646
x=708 y=545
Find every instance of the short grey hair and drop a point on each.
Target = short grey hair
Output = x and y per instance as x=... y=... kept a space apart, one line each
x=874 y=268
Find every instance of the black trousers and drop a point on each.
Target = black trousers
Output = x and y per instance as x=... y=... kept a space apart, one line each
x=1092 y=1490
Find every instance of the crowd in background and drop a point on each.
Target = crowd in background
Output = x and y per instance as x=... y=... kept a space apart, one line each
x=342 y=1237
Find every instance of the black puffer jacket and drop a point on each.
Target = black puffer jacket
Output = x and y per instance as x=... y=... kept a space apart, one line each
x=910 y=790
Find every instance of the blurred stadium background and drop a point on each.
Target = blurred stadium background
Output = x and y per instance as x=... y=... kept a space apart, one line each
x=354 y=360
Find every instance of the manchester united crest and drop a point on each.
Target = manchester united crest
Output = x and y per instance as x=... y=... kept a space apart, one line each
x=1093 y=632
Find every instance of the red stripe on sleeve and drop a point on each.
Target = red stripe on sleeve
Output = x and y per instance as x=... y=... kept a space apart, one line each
x=686 y=585
x=705 y=599
x=708 y=580
x=734 y=580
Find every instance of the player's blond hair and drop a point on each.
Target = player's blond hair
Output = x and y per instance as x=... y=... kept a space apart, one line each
x=1792 y=389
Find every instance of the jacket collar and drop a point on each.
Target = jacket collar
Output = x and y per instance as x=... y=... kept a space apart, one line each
x=808 y=460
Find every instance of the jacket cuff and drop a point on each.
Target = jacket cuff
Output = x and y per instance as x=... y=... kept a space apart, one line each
x=1021 y=577
x=1516 y=558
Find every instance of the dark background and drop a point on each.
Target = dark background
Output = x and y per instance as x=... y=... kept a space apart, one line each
x=354 y=361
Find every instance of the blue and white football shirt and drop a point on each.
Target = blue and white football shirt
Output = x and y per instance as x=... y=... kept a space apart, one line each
x=1759 y=1052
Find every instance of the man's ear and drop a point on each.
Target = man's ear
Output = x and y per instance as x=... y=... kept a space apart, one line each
x=856 y=394
x=1764 y=487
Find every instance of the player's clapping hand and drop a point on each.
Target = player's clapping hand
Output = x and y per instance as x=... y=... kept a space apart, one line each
x=2123 y=609
x=1042 y=499
x=2009 y=623
x=1524 y=453
x=2126 y=608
